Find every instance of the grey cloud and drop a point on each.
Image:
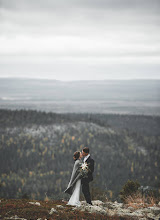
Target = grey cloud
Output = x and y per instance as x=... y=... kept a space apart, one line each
x=120 y=4
x=80 y=29
x=85 y=10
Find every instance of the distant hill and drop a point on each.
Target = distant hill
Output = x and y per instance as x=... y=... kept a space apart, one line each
x=36 y=150
x=39 y=89
x=108 y=96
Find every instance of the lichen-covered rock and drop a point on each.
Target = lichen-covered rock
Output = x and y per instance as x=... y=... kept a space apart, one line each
x=35 y=203
x=151 y=216
x=120 y=209
x=98 y=203
x=92 y=209
x=52 y=211
x=112 y=205
x=15 y=217
x=60 y=206
x=154 y=210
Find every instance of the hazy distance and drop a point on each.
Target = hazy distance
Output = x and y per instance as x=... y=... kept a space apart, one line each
x=108 y=96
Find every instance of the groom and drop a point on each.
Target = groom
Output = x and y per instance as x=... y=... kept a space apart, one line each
x=85 y=181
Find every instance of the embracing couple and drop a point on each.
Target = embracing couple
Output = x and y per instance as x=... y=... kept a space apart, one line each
x=81 y=175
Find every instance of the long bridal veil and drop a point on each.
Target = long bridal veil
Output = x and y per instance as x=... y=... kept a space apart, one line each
x=74 y=185
x=74 y=199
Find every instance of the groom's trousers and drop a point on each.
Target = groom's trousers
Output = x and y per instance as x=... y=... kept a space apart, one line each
x=86 y=191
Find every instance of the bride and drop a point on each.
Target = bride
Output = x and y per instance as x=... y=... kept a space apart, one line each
x=75 y=182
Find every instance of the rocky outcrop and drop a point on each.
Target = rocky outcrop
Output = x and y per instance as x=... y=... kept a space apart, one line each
x=120 y=209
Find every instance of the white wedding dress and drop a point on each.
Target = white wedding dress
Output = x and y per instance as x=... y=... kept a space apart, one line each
x=75 y=196
x=74 y=199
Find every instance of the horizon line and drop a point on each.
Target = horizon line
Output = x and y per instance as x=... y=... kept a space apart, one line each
x=111 y=79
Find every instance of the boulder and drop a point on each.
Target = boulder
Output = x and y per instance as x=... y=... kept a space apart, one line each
x=60 y=206
x=35 y=203
x=52 y=211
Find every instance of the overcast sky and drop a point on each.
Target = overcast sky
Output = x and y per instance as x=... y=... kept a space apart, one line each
x=80 y=39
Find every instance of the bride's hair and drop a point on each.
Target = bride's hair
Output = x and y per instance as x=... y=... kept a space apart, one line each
x=76 y=155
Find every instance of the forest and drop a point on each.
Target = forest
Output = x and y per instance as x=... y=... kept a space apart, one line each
x=36 y=151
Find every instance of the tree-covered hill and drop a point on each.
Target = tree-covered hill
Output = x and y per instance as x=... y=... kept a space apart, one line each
x=36 y=150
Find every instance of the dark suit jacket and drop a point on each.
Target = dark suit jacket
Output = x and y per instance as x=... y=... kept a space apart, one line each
x=90 y=162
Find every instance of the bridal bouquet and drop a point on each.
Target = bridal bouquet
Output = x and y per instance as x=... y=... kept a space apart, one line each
x=84 y=169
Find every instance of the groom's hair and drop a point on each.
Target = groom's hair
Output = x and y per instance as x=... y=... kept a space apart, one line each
x=86 y=150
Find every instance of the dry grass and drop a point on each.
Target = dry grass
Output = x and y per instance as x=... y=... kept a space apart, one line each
x=137 y=201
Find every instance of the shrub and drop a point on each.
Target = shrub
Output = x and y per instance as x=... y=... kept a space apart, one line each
x=130 y=188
